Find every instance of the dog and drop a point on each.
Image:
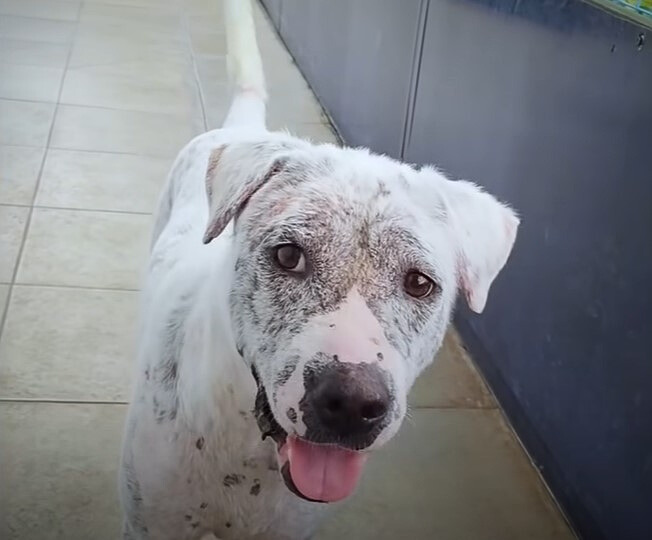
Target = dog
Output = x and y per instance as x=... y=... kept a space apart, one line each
x=293 y=294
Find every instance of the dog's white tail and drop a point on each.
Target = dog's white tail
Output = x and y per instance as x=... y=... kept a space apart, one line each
x=245 y=67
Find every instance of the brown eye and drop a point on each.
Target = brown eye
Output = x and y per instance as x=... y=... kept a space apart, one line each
x=291 y=258
x=418 y=285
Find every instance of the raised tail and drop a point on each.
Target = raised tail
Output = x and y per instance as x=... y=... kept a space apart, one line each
x=245 y=67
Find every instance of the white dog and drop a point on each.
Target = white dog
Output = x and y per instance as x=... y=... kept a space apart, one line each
x=295 y=291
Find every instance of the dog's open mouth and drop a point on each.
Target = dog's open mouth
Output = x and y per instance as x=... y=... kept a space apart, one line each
x=315 y=472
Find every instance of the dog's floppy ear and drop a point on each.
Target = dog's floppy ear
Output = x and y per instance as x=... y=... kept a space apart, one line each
x=234 y=173
x=484 y=232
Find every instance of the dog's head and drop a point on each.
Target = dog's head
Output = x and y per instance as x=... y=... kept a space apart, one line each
x=347 y=269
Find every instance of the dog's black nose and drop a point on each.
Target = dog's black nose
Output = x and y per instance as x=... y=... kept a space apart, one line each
x=347 y=402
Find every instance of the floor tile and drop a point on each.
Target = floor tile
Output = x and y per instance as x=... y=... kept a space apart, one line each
x=451 y=380
x=25 y=123
x=42 y=9
x=4 y=294
x=34 y=83
x=204 y=8
x=137 y=3
x=12 y=226
x=208 y=42
x=97 y=181
x=109 y=130
x=89 y=354
x=317 y=133
x=112 y=22
x=144 y=13
x=88 y=249
x=19 y=168
x=453 y=474
x=152 y=86
x=59 y=467
x=91 y=50
x=282 y=110
x=283 y=79
x=33 y=29
x=33 y=53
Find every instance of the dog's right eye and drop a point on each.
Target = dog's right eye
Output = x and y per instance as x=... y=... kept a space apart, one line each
x=291 y=258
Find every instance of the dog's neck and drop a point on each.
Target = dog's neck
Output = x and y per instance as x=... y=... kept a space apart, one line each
x=215 y=384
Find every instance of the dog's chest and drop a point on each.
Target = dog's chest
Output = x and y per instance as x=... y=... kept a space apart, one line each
x=225 y=482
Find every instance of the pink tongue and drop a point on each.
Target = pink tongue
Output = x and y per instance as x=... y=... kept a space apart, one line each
x=324 y=473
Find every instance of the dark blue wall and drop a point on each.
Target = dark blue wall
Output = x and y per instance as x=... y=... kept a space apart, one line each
x=547 y=103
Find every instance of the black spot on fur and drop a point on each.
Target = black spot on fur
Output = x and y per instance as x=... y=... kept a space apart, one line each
x=169 y=373
x=162 y=413
x=195 y=524
x=287 y=371
x=382 y=189
x=134 y=517
x=250 y=463
x=255 y=488
x=331 y=326
x=187 y=517
x=200 y=443
x=228 y=524
x=203 y=505
x=380 y=357
x=233 y=479
x=292 y=415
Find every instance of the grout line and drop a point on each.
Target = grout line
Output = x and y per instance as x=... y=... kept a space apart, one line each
x=21 y=249
x=74 y=209
x=64 y=401
x=113 y=152
x=58 y=103
x=75 y=287
x=195 y=69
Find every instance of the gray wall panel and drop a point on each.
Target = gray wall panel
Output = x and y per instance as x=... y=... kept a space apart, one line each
x=550 y=107
x=357 y=55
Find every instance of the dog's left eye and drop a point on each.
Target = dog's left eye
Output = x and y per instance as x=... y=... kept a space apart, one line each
x=291 y=258
x=418 y=285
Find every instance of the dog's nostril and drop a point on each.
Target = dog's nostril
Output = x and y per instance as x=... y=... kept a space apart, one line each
x=373 y=410
x=334 y=405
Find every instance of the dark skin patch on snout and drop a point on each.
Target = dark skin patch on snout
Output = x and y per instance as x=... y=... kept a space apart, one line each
x=200 y=443
x=292 y=415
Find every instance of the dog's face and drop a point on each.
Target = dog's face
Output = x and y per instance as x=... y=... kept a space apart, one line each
x=347 y=269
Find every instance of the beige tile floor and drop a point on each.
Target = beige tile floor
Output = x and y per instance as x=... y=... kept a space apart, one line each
x=95 y=99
